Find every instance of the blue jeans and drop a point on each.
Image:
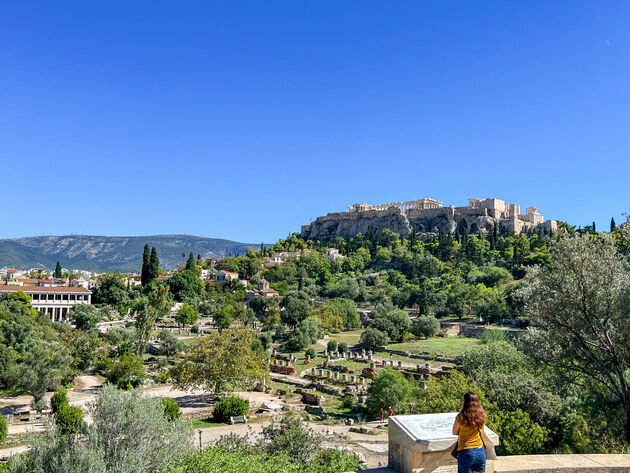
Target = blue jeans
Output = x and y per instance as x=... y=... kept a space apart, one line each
x=471 y=459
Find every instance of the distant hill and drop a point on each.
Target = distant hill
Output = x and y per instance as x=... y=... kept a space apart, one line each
x=104 y=253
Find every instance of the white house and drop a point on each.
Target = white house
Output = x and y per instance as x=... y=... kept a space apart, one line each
x=333 y=254
x=223 y=277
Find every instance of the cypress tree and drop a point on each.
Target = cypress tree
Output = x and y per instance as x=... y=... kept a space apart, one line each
x=154 y=267
x=145 y=275
x=613 y=225
x=190 y=264
x=57 y=273
x=594 y=230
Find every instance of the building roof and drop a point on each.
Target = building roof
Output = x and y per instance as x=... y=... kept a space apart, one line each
x=29 y=289
x=12 y=271
x=227 y=272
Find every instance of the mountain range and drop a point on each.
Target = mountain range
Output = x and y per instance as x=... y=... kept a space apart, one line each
x=109 y=253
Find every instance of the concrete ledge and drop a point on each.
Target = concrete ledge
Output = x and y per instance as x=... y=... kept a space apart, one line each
x=614 y=463
x=563 y=464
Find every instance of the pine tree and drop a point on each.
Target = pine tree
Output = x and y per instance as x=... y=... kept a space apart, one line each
x=613 y=225
x=412 y=241
x=145 y=275
x=154 y=266
x=57 y=273
x=190 y=264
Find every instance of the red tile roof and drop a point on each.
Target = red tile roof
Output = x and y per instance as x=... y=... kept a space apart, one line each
x=13 y=271
x=29 y=289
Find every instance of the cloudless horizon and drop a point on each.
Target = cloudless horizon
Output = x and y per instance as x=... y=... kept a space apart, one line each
x=245 y=120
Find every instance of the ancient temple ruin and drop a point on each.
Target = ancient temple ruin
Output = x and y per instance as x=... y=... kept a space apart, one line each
x=428 y=215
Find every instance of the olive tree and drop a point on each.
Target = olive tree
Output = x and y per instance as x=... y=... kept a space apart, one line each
x=222 y=361
x=579 y=308
x=129 y=433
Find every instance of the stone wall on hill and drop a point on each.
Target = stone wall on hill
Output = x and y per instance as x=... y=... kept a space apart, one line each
x=446 y=219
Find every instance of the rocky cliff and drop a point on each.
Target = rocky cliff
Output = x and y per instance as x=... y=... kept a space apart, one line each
x=446 y=219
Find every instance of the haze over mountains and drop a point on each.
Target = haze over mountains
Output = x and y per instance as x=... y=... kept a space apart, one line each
x=109 y=253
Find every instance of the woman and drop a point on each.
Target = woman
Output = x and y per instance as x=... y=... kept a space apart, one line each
x=471 y=456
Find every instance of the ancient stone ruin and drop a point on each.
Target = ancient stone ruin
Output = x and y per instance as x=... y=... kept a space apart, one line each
x=481 y=216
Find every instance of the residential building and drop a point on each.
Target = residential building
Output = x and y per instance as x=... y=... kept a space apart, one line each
x=333 y=254
x=223 y=277
x=263 y=290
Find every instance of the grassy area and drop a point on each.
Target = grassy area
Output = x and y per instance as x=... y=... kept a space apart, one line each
x=200 y=423
x=448 y=346
x=382 y=355
x=351 y=337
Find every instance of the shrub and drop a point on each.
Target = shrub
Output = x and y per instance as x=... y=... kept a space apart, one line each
x=519 y=435
x=306 y=333
x=342 y=347
x=69 y=419
x=125 y=372
x=389 y=388
x=229 y=407
x=310 y=352
x=493 y=336
x=220 y=460
x=170 y=343
x=171 y=408
x=372 y=338
x=426 y=326
x=58 y=400
x=331 y=346
x=4 y=428
x=291 y=437
x=349 y=402
x=128 y=433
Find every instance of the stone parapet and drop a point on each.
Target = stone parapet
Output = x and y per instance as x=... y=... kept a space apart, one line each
x=604 y=463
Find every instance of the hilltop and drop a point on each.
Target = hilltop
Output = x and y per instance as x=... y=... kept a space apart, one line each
x=109 y=253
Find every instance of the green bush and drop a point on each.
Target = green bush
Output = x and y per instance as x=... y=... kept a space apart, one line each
x=220 y=460
x=349 y=402
x=310 y=352
x=493 y=335
x=59 y=400
x=69 y=419
x=229 y=407
x=342 y=347
x=331 y=346
x=426 y=326
x=4 y=428
x=171 y=408
x=519 y=435
x=125 y=372
x=372 y=339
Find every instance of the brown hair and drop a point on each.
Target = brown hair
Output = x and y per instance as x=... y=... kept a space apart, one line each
x=472 y=413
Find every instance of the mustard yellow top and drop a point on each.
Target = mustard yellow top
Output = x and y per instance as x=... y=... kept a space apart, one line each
x=468 y=437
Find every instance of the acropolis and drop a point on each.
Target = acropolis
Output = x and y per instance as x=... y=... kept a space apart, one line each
x=429 y=215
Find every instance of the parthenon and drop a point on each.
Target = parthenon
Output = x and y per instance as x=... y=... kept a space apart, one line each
x=426 y=203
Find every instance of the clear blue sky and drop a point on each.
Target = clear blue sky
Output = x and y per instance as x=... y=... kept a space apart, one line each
x=244 y=120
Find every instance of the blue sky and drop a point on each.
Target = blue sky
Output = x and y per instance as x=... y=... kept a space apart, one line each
x=244 y=120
